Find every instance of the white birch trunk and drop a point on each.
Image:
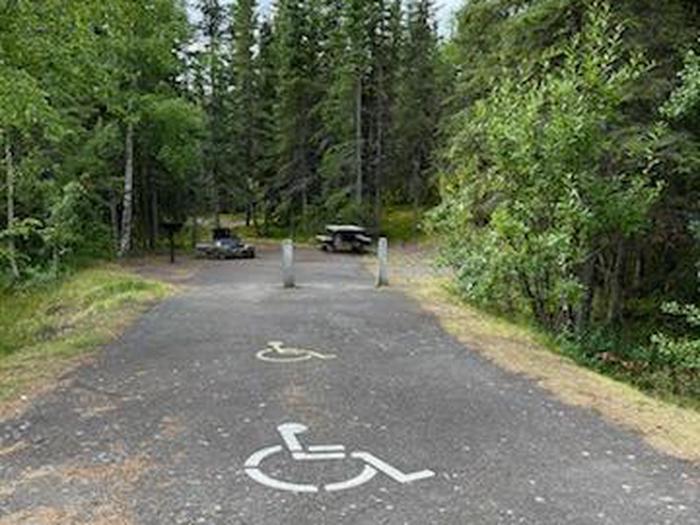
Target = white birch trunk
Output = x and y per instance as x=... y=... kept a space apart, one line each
x=128 y=207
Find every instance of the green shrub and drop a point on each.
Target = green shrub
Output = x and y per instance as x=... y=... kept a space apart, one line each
x=530 y=194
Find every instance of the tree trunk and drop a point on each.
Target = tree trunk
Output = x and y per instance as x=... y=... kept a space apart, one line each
x=302 y=167
x=144 y=207
x=616 y=284
x=114 y=216
x=217 y=201
x=304 y=208
x=358 y=143
x=304 y=205
x=267 y=205
x=128 y=208
x=379 y=177
x=583 y=317
x=415 y=190
x=256 y=226
x=208 y=181
x=195 y=231
x=383 y=112
x=10 y=169
x=155 y=220
x=638 y=268
x=536 y=303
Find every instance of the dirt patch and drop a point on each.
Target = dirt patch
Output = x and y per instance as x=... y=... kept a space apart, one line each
x=101 y=493
x=53 y=375
x=127 y=472
x=99 y=515
x=668 y=428
x=295 y=397
x=40 y=516
x=171 y=427
x=160 y=269
x=93 y=402
x=12 y=449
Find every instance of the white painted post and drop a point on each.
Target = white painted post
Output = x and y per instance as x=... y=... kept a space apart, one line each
x=288 y=263
x=383 y=256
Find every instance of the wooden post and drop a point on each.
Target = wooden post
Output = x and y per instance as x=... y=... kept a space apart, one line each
x=383 y=256
x=288 y=263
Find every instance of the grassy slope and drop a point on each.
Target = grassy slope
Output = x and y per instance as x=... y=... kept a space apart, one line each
x=45 y=331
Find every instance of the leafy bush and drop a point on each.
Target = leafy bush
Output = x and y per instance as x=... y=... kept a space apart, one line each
x=71 y=230
x=679 y=352
x=532 y=191
x=663 y=369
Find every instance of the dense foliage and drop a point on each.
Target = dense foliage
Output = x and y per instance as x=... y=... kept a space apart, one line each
x=570 y=175
x=95 y=126
x=544 y=179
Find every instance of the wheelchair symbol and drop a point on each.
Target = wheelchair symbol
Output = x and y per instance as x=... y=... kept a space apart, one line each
x=276 y=353
x=290 y=431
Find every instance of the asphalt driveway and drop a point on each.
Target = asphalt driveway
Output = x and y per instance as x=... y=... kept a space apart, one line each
x=363 y=411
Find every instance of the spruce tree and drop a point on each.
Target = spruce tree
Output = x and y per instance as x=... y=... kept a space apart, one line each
x=338 y=111
x=419 y=111
x=298 y=96
x=214 y=80
x=265 y=61
x=245 y=104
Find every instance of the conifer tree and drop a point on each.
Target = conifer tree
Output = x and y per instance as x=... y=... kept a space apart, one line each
x=267 y=99
x=245 y=103
x=298 y=96
x=419 y=111
x=212 y=64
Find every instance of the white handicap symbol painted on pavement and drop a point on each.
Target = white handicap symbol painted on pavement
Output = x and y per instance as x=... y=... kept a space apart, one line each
x=277 y=353
x=289 y=433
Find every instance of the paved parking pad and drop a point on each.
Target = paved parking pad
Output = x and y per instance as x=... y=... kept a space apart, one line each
x=239 y=402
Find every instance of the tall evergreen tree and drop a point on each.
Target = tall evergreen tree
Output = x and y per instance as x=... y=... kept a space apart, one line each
x=359 y=104
x=267 y=99
x=298 y=96
x=245 y=102
x=419 y=112
x=387 y=45
x=214 y=81
x=342 y=134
